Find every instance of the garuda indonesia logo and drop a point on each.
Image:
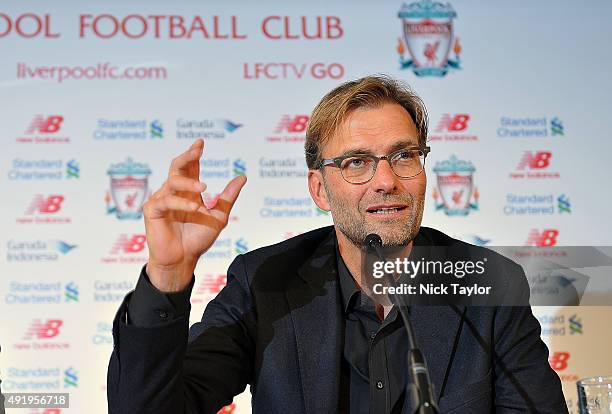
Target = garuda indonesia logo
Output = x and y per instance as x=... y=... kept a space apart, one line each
x=128 y=189
x=428 y=38
x=455 y=193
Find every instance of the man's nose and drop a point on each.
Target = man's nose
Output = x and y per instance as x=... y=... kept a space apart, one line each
x=384 y=178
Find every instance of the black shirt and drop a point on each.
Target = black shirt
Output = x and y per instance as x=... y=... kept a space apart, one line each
x=374 y=358
x=373 y=373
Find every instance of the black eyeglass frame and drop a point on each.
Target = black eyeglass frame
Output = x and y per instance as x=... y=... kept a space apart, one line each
x=337 y=161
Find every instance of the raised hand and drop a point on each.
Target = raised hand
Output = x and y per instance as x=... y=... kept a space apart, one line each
x=179 y=227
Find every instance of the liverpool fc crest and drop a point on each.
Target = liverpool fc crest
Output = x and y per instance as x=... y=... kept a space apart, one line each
x=428 y=38
x=455 y=187
x=128 y=189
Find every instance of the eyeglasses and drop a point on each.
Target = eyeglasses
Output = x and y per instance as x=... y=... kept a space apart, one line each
x=360 y=168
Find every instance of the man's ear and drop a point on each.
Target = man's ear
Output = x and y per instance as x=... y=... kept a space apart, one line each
x=317 y=189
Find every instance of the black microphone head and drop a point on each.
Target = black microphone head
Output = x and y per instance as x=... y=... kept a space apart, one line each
x=372 y=240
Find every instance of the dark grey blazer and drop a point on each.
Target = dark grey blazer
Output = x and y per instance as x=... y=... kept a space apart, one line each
x=278 y=326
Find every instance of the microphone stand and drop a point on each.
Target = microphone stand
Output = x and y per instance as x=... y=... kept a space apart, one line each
x=419 y=386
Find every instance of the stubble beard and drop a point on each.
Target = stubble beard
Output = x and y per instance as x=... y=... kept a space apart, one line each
x=393 y=232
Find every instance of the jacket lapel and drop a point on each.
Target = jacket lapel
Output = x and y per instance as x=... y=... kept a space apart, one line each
x=435 y=330
x=315 y=306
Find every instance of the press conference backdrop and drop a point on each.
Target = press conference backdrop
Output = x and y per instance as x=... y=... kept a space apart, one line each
x=98 y=97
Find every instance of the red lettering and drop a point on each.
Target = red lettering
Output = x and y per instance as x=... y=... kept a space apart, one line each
x=299 y=72
x=19 y=28
x=83 y=24
x=9 y=24
x=319 y=71
x=28 y=25
x=305 y=33
x=91 y=72
x=43 y=72
x=143 y=22
x=197 y=24
x=136 y=26
x=287 y=29
x=114 y=22
x=290 y=70
x=156 y=19
x=334 y=27
x=264 y=27
x=335 y=71
x=47 y=26
x=235 y=34
x=332 y=30
x=31 y=72
x=77 y=73
x=177 y=22
x=266 y=70
x=216 y=32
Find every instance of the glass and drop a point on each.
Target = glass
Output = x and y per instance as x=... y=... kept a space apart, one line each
x=595 y=395
x=360 y=168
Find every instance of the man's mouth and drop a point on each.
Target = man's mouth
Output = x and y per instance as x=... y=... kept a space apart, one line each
x=387 y=209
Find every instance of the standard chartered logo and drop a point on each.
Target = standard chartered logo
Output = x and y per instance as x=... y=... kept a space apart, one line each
x=239 y=167
x=72 y=169
x=71 y=292
x=240 y=246
x=575 y=325
x=71 y=378
x=556 y=127
x=563 y=204
x=157 y=129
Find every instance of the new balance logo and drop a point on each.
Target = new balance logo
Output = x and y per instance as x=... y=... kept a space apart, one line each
x=45 y=205
x=48 y=125
x=39 y=330
x=535 y=161
x=454 y=123
x=544 y=238
x=134 y=244
x=292 y=124
x=558 y=360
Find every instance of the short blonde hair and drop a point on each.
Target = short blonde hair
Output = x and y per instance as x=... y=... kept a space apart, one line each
x=367 y=92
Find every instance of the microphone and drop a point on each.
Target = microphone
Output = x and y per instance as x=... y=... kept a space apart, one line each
x=373 y=240
x=419 y=387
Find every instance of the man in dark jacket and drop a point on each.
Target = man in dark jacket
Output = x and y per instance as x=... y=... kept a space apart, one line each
x=296 y=320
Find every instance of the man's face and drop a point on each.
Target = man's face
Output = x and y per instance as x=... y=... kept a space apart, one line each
x=387 y=205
